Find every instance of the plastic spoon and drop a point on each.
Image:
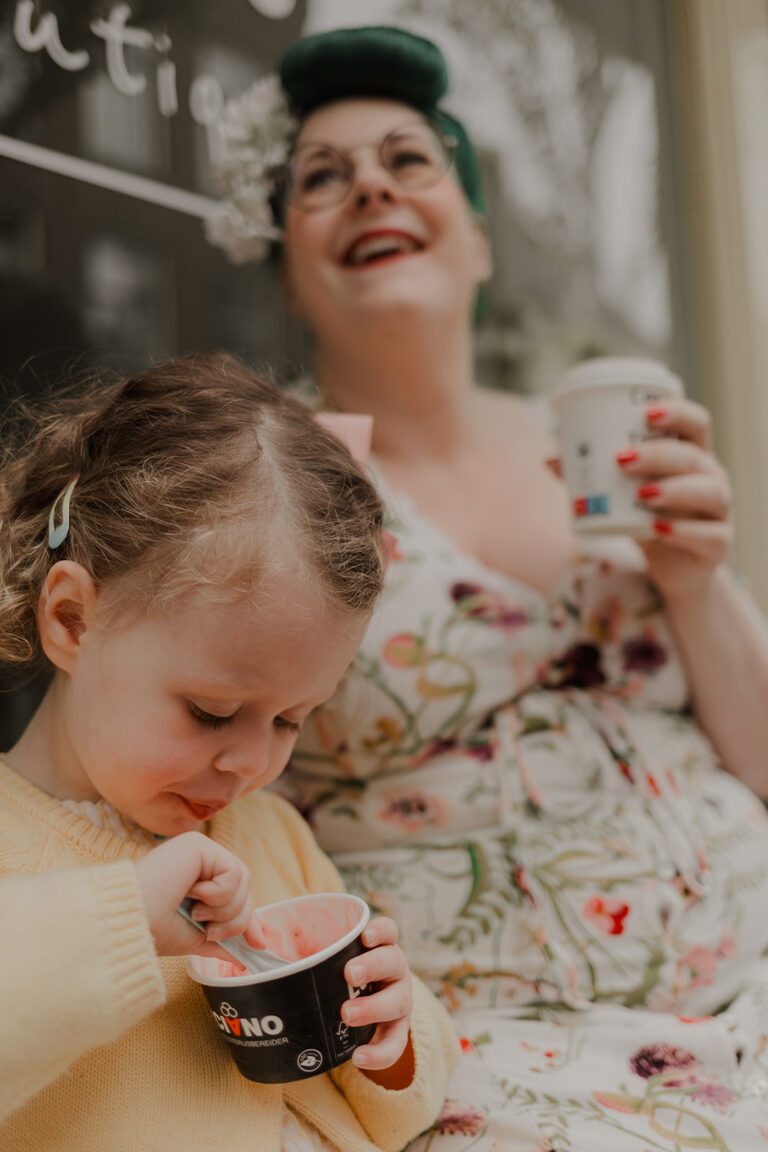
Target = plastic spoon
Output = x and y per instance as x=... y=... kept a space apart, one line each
x=254 y=959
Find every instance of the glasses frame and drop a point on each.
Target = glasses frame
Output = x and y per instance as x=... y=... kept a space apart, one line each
x=283 y=184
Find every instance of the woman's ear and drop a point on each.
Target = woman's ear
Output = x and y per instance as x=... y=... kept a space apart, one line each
x=65 y=612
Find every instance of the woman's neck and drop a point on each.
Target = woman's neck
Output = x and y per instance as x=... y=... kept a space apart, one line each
x=416 y=383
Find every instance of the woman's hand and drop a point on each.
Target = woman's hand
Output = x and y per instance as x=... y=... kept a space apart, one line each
x=194 y=865
x=389 y=1007
x=687 y=489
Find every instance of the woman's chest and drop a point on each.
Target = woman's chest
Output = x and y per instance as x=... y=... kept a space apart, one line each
x=507 y=510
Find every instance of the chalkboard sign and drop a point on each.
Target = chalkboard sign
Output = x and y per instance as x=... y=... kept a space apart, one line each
x=107 y=135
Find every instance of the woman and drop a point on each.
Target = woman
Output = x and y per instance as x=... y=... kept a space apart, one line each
x=512 y=769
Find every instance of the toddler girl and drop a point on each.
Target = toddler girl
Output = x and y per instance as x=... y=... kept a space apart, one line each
x=196 y=561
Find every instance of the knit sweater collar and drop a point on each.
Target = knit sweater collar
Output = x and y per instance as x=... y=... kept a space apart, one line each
x=76 y=829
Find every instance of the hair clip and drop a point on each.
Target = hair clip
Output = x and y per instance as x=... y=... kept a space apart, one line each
x=57 y=534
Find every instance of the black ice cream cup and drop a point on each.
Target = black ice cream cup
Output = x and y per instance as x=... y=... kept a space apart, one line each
x=285 y=1024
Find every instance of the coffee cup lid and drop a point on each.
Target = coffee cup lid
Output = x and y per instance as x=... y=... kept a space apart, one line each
x=605 y=371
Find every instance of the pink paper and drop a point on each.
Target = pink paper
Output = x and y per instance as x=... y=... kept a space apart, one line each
x=354 y=429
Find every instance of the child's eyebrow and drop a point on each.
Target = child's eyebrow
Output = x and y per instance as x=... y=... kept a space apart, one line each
x=206 y=692
x=230 y=689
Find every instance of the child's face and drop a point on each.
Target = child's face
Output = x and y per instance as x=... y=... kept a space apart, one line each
x=172 y=718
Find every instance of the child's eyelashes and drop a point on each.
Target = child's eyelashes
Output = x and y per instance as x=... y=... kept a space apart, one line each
x=291 y=725
x=208 y=718
x=211 y=720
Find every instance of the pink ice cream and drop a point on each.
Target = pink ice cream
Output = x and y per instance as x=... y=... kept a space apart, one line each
x=296 y=929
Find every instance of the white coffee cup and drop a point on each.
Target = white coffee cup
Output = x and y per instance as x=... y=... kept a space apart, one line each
x=600 y=408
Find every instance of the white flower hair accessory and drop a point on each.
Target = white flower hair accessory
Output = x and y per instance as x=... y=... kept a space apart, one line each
x=255 y=133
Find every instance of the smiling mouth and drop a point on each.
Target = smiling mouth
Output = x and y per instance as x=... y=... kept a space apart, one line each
x=382 y=246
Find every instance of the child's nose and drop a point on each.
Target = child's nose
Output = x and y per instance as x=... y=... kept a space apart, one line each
x=249 y=757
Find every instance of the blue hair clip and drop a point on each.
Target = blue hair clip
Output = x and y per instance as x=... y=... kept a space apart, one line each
x=57 y=533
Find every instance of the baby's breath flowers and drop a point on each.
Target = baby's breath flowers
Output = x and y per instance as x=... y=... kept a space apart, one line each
x=255 y=133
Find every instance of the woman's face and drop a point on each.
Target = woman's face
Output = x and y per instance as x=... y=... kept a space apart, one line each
x=387 y=247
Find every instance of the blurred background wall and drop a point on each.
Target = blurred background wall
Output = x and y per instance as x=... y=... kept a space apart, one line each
x=625 y=151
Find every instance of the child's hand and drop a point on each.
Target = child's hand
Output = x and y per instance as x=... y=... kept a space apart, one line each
x=194 y=865
x=389 y=1006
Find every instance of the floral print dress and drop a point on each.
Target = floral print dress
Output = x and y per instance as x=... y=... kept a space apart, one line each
x=518 y=782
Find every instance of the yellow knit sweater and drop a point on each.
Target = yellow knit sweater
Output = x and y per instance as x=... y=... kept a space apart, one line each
x=106 y=1048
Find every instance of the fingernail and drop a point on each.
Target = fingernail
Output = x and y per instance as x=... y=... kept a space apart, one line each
x=350 y=1014
x=627 y=456
x=648 y=492
x=370 y=937
x=214 y=933
x=662 y=527
x=654 y=415
x=360 y=1059
x=356 y=973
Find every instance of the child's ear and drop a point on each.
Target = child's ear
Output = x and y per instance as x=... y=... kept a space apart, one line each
x=65 y=612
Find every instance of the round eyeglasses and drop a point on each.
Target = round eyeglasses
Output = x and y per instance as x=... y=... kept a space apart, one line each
x=319 y=176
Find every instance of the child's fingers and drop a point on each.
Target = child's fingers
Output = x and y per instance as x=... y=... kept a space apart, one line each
x=391 y=1003
x=387 y=968
x=193 y=864
x=386 y=1047
x=223 y=903
x=224 y=895
x=387 y=963
x=381 y=930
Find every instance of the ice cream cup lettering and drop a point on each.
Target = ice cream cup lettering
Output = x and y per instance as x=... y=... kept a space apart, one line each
x=600 y=409
x=286 y=1024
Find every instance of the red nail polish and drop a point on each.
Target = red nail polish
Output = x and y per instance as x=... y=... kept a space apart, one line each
x=662 y=527
x=653 y=415
x=648 y=492
x=627 y=456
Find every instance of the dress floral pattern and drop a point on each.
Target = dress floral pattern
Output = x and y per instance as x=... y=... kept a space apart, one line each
x=518 y=781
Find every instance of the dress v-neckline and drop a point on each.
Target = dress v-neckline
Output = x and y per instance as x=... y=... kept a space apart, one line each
x=393 y=497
